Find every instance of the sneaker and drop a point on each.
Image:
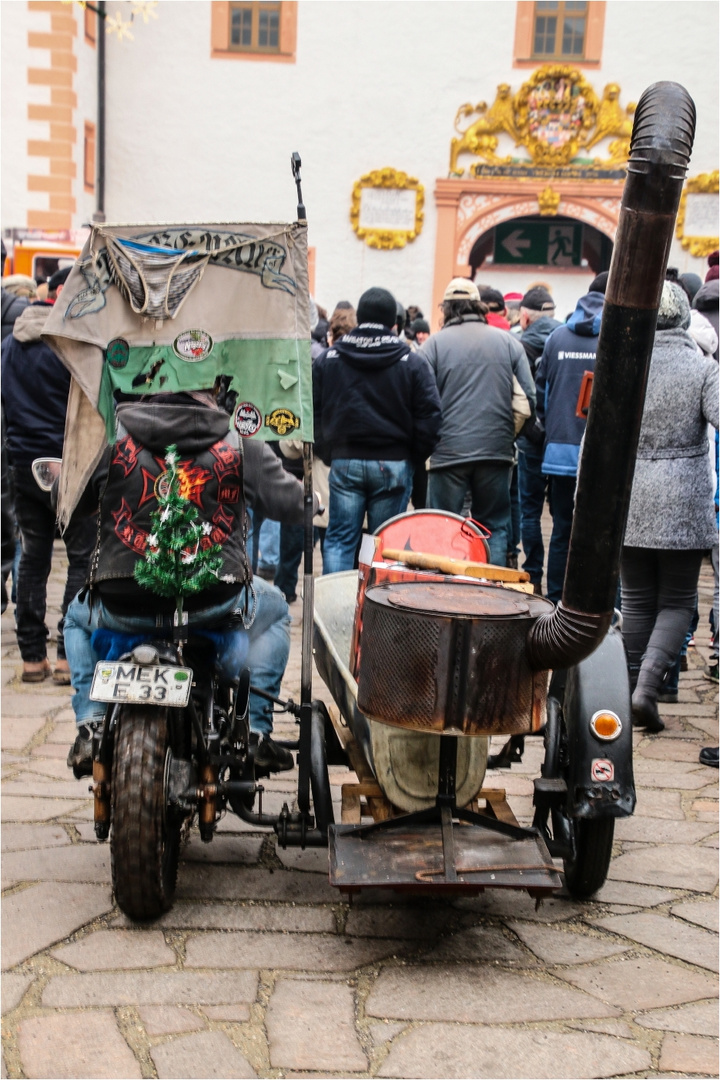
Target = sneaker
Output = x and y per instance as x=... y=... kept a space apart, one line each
x=270 y=756
x=710 y=672
x=709 y=756
x=80 y=757
x=684 y=662
x=691 y=642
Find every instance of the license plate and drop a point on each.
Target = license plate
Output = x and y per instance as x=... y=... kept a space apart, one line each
x=157 y=684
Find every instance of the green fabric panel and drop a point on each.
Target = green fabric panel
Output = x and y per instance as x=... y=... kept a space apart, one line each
x=269 y=374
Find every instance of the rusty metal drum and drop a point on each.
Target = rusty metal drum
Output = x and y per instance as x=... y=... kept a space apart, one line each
x=451 y=658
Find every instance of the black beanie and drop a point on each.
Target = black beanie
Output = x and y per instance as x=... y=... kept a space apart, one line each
x=599 y=283
x=377 y=306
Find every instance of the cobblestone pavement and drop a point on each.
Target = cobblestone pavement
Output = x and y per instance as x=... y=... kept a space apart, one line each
x=261 y=969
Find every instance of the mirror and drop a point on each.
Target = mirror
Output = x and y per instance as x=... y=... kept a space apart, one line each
x=46 y=470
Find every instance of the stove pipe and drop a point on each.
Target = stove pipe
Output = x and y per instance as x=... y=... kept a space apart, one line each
x=660 y=148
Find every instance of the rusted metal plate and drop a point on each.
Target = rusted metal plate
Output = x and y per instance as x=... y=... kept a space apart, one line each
x=460 y=599
x=410 y=858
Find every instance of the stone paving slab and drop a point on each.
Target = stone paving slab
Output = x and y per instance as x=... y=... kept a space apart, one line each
x=311 y=1025
x=445 y=1050
x=463 y=993
x=27 y=837
x=14 y=808
x=80 y=862
x=196 y=1057
x=91 y=1045
x=149 y=988
x=641 y=982
x=692 y=868
x=688 y=1053
x=13 y=987
x=667 y=935
x=45 y=913
x=287 y=918
x=702 y=912
x=168 y=1020
x=199 y=882
x=108 y=950
x=700 y=1018
x=555 y=946
x=233 y=850
x=297 y=952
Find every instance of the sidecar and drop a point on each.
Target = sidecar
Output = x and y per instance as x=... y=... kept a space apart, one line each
x=421 y=815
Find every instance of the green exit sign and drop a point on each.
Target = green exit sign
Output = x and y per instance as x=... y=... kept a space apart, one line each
x=537 y=244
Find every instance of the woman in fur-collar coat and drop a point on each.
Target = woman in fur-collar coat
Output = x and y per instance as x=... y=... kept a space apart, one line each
x=671 y=521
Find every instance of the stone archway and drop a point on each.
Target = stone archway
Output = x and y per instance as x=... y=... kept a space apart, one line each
x=469 y=208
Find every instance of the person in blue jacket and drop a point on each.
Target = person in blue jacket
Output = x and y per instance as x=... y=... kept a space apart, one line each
x=568 y=353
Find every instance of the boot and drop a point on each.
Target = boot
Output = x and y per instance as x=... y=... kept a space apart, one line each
x=644 y=700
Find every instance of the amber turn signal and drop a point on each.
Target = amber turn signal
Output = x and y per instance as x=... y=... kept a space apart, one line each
x=606 y=725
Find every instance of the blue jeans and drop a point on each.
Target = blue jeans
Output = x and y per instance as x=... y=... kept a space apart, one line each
x=532 y=485
x=269 y=544
x=489 y=486
x=562 y=502
x=264 y=648
x=379 y=488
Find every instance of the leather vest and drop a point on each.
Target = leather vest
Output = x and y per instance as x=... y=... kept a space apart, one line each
x=212 y=479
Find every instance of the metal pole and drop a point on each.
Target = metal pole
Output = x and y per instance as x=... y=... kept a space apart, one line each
x=308 y=584
x=99 y=214
x=660 y=148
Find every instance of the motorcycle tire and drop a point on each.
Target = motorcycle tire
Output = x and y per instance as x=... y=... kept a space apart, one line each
x=586 y=873
x=145 y=838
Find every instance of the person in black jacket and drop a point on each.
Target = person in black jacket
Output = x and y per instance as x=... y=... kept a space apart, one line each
x=35 y=387
x=377 y=410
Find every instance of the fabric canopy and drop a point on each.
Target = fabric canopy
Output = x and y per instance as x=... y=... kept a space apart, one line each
x=161 y=309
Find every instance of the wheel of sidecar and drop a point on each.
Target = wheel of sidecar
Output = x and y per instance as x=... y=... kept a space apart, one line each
x=145 y=839
x=586 y=873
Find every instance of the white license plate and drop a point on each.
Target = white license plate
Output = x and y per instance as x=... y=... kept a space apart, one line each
x=157 y=684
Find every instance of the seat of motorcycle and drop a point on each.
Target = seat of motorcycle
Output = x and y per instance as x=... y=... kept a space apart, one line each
x=113 y=644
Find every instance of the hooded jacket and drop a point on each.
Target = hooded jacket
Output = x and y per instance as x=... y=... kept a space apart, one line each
x=35 y=387
x=216 y=474
x=533 y=338
x=375 y=399
x=474 y=365
x=12 y=307
x=568 y=353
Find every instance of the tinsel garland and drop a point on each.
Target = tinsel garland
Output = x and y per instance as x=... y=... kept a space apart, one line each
x=175 y=563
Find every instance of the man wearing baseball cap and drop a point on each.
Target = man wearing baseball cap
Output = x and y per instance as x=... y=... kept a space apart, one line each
x=477 y=368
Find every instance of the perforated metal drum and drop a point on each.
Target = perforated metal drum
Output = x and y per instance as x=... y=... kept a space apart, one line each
x=451 y=658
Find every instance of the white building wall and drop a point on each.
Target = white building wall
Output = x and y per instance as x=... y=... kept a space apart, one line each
x=374 y=84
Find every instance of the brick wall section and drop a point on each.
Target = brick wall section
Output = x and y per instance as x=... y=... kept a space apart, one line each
x=57 y=140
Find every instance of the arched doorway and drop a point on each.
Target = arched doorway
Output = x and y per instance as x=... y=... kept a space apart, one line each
x=470 y=211
x=559 y=251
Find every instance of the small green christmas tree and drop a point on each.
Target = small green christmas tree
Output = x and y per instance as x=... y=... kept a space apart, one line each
x=176 y=564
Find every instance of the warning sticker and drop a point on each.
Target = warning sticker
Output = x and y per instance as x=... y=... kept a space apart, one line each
x=602 y=769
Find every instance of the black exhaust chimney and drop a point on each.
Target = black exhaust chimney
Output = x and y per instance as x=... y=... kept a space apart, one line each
x=660 y=148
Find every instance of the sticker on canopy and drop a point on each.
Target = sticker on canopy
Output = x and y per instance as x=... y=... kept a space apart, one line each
x=602 y=769
x=117 y=353
x=247 y=419
x=282 y=420
x=193 y=345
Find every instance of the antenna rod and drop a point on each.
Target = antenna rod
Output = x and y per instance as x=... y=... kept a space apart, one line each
x=296 y=163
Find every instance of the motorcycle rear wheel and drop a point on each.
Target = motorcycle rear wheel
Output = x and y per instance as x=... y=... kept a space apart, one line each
x=145 y=838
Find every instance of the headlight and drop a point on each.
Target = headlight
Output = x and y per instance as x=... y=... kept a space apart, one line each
x=606 y=725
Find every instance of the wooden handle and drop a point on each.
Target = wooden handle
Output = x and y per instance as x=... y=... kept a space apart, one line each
x=422 y=561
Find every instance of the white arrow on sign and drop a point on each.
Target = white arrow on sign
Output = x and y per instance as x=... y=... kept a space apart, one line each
x=514 y=245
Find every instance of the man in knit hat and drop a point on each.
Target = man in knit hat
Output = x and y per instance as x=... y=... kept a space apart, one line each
x=477 y=368
x=377 y=411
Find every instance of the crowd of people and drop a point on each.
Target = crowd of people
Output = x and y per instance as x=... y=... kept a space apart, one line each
x=481 y=418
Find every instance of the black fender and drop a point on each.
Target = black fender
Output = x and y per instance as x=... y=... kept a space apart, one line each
x=600 y=779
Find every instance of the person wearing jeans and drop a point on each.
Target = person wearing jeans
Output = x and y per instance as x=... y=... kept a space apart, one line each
x=489 y=486
x=36 y=520
x=380 y=489
x=377 y=410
